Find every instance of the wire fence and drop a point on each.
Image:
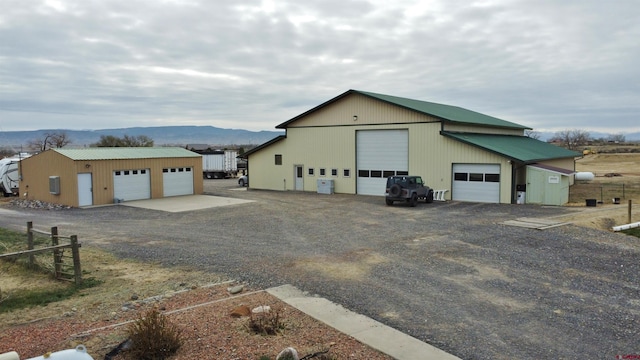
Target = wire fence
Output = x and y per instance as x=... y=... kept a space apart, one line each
x=606 y=193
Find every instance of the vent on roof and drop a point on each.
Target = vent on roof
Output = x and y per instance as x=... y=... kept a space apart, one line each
x=54 y=185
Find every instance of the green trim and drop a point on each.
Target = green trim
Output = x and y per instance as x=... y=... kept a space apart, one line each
x=519 y=148
x=125 y=153
x=442 y=112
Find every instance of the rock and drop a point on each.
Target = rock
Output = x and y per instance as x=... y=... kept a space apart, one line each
x=288 y=354
x=240 y=311
x=261 y=309
x=134 y=297
x=235 y=289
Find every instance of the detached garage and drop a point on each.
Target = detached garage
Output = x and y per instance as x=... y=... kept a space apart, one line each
x=97 y=176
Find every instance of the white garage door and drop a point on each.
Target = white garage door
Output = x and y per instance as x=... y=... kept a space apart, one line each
x=380 y=154
x=476 y=182
x=177 y=181
x=131 y=184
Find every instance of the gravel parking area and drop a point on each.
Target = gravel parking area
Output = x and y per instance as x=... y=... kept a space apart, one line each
x=450 y=274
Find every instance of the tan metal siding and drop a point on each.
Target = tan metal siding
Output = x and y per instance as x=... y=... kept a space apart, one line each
x=37 y=170
x=368 y=111
x=430 y=155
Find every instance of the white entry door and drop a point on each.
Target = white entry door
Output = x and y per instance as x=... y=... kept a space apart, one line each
x=85 y=189
x=299 y=177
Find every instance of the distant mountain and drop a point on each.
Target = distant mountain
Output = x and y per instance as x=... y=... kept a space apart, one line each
x=163 y=135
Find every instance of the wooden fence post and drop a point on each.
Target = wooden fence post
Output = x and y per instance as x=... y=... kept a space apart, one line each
x=77 y=270
x=629 y=212
x=32 y=259
x=57 y=258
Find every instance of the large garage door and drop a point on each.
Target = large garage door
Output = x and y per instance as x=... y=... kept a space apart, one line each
x=177 y=181
x=476 y=182
x=380 y=154
x=131 y=184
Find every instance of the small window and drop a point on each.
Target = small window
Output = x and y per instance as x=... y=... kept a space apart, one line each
x=363 y=173
x=118 y=173
x=334 y=172
x=310 y=171
x=492 y=178
x=376 y=173
x=278 y=159
x=402 y=173
x=187 y=169
x=143 y=171
x=476 y=177
x=460 y=176
x=323 y=171
x=135 y=172
x=346 y=172
x=173 y=169
x=126 y=172
x=165 y=170
x=388 y=173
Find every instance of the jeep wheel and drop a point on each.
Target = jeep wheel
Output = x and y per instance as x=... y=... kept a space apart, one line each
x=414 y=200
x=395 y=190
x=389 y=202
x=429 y=198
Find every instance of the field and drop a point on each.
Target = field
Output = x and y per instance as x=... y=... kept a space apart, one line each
x=617 y=175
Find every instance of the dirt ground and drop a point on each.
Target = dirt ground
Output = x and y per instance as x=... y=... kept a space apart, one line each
x=605 y=215
x=125 y=279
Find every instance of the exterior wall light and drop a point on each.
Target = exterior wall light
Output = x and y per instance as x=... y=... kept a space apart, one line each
x=355 y=117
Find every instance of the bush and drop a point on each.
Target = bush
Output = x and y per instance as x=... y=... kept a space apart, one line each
x=153 y=337
x=267 y=323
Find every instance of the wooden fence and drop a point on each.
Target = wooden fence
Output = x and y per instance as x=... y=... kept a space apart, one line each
x=61 y=269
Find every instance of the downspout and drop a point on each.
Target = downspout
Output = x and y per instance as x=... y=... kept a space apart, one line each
x=513 y=183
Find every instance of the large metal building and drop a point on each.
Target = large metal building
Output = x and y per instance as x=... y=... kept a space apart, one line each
x=359 y=138
x=97 y=176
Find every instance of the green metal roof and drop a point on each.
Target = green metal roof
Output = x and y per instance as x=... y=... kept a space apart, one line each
x=121 y=153
x=444 y=112
x=519 y=148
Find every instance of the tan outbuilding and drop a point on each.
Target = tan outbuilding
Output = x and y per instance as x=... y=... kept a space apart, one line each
x=354 y=141
x=97 y=176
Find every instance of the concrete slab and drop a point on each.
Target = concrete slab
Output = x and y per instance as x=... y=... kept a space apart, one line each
x=535 y=223
x=185 y=203
x=366 y=330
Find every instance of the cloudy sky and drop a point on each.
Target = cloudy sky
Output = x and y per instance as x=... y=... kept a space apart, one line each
x=253 y=64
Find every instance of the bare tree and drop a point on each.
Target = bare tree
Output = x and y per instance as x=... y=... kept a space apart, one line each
x=49 y=140
x=125 y=141
x=532 y=134
x=572 y=139
x=616 y=138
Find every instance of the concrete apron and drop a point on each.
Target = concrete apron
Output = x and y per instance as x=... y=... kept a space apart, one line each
x=185 y=203
x=368 y=331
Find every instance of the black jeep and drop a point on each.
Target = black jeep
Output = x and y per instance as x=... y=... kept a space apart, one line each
x=408 y=189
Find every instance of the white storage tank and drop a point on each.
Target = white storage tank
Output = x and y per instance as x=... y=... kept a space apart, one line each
x=584 y=176
x=79 y=353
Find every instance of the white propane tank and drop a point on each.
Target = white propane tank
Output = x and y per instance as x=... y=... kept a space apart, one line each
x=79 y=353
x=584 y=176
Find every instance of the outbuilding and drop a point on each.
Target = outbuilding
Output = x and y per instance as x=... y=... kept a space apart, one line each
x=358 y=139
x=97 y=176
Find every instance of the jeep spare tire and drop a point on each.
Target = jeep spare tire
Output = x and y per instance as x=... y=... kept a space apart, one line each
x=395 y=190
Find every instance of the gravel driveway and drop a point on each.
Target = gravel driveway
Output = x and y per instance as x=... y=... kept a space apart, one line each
x=450 y=274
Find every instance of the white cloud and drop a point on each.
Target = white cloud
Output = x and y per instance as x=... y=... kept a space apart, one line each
x=115 y=63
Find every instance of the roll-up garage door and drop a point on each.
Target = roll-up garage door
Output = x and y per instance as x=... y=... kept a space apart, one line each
x=131 y=184
x=476 y=183
x=177 y=181
x=380 y=154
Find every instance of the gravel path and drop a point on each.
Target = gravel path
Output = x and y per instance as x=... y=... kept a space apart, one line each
x=449 y=273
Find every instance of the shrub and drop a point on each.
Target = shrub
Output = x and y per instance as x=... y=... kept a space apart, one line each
x=153 y=337
x=267 y=323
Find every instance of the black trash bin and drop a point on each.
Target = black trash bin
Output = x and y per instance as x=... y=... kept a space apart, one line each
x=591 y=202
